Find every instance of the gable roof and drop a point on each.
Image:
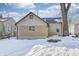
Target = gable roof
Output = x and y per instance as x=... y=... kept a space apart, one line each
x=52 y=20
x=29 y=14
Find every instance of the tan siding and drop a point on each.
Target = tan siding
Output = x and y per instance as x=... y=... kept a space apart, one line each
x=39 y=31
x=53 y=27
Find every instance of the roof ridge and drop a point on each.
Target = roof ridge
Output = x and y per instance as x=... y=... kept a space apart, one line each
x=27 y=15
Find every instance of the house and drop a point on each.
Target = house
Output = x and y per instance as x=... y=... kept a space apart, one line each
x=7 y=25
x=76 y=29
x=71 y=28
x=54 y=26
x=32 y=26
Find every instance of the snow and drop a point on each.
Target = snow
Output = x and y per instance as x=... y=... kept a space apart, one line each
x=67 y=46
x=13 y=47
x=68 y=41
x=41 y=50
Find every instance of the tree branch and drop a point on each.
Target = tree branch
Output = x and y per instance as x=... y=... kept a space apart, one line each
x=68 y=6
x=63 y=7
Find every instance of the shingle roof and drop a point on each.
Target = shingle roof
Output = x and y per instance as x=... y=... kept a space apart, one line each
x=52 y=20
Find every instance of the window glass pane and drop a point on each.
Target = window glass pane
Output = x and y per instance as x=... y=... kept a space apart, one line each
x=57 y=30
x=31 y=28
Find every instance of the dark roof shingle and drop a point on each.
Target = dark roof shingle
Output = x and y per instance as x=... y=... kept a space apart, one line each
x=52 y=20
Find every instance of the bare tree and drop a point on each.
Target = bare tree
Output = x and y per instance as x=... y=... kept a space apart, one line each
x=64 y=11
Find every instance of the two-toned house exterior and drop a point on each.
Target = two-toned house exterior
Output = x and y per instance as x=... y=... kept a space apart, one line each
x=32 y=26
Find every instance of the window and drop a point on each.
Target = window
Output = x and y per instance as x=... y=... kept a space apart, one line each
x=31 y=28
x=31 y=16
x=57 y=30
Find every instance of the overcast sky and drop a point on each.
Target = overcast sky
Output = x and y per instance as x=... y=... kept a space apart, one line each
x=18 y=10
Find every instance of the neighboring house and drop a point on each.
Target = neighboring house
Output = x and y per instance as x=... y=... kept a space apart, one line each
x=71 y=28
x=76 y=29
x=32 y=26
x=7 y=26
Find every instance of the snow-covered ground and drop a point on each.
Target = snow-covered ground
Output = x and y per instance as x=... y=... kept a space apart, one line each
x=67 y=46
x=24 y=47
x=68 y=41
x=14 y=47
x=43 y=50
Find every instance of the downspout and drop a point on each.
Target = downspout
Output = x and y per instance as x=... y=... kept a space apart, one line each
x=17 y=32
x=11 y=31
x=61 y=29
x=48 y=29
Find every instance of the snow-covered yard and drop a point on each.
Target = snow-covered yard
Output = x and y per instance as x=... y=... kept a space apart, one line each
x=68 y=41
x=68 y=46
x=40 y=46
x=14 y=47
x=43 y=50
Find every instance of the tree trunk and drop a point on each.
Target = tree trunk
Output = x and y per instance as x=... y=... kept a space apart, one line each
x=65 y=29
x=64 y=11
